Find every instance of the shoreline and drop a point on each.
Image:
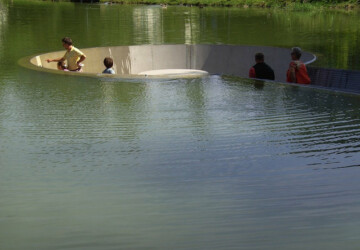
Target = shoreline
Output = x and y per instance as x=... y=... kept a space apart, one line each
x=274 y=4
x=295 y=5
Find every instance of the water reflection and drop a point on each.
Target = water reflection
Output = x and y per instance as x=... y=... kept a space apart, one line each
x=332 y=36
x=207 y=162
x=212 y=163
x=148 y=24
x=309 y=124
x=123 y=109
x=3 y=22
x=192 y=22
x=3 y=15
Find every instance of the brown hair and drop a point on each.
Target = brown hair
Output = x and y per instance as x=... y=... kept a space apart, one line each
x=67 y=40
x=108 y=62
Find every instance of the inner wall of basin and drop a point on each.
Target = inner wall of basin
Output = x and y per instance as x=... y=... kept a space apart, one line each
x=214 y=59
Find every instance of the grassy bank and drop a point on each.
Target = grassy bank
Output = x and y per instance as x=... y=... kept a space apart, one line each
x=288 y=4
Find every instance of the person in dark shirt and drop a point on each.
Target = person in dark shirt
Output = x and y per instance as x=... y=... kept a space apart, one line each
x=261 y=70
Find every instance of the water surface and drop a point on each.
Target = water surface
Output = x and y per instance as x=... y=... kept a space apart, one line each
x=210 y=163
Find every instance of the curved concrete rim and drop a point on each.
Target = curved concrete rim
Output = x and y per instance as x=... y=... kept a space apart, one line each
x=131 y=61
x=174 y=72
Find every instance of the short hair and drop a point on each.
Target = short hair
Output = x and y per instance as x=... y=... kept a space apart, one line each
x=259 y=56
x=67 y=40
x=296 y=51
x=108 y=62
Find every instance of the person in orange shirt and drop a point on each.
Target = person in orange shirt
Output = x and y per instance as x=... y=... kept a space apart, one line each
x=297 y=71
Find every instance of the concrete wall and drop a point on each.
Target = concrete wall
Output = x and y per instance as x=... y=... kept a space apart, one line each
x=345 y=80
x=237 y=60
x=215 y=59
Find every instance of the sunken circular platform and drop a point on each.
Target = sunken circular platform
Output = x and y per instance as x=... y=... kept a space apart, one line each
x=174 y=61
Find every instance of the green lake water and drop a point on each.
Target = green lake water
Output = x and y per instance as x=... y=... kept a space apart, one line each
x=209 y=163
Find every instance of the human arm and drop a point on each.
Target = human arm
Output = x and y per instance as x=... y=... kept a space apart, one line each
x=272 y=77
x=82 y=58
x=292 y=70
x=56 y=60
x=252 y=73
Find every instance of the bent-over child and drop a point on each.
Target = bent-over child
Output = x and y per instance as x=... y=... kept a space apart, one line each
x=61 y=66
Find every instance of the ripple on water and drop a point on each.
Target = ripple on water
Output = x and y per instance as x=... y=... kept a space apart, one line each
x=205 y=159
